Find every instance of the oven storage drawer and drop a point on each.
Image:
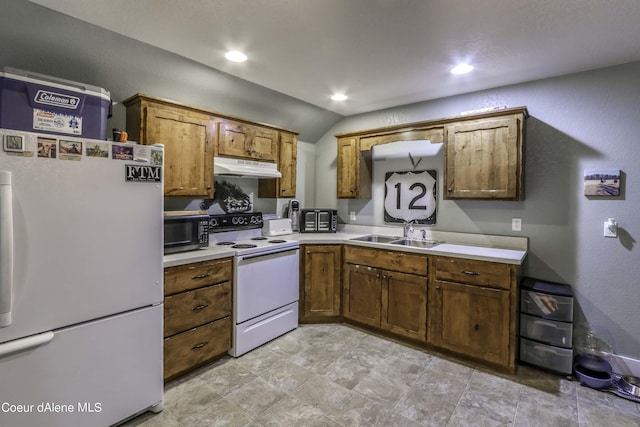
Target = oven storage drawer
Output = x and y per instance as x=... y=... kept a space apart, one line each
x=550 y=331
x=196 y=275
x=546 y=305
x=546 y=356
x=189 y=309
x=189 y=349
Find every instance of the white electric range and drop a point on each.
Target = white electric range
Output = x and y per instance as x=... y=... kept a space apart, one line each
x=265 y=279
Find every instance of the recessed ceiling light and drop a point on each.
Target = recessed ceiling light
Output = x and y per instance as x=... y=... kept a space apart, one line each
x=461 y=69
x=235 y=56
x=339 y=97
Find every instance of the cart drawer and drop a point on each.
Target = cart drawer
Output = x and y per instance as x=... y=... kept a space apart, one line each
x=549 y=331
x=545 y=305
x=546 y=356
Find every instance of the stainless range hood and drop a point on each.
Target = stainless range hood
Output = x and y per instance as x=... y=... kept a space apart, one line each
x=225 y=166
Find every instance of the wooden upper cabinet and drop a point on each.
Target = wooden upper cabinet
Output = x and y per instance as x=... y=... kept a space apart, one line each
x=248 y=141
x=287 y=163
x=187 y=136
x=483 y=159
x=483 y=154
x=354 y=170
x=187 y=140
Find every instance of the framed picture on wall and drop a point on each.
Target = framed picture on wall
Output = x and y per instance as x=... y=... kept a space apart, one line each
x=602 y=182
x=411 y=196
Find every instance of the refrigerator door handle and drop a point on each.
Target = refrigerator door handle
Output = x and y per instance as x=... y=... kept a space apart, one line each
x=25 y=343
x=6 y=248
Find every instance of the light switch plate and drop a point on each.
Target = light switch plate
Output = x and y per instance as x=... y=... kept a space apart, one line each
x=352 y=215
x=516 y=224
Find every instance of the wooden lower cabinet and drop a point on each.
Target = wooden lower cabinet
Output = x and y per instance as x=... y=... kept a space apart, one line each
x=388 y=290
x=404 y=305
x=321 y=283
x=473 y=309
x=197 y=314
x=362 y=294
x=472 y=320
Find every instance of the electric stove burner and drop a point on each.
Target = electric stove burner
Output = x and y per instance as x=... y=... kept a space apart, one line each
x=259 y=238
x=244 y=246
x=277 y=241
x=225 y=243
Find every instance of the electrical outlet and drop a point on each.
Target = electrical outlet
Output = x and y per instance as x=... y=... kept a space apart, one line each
x=611 y=228
x=352 y=215
x=516 y=224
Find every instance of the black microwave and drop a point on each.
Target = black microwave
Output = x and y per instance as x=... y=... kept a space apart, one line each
x=318 y=220
x=185 y=231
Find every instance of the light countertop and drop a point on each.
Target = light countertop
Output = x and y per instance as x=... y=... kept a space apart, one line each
x=503 y=249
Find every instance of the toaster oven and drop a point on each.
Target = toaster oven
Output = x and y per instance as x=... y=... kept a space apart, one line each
x=318 y=220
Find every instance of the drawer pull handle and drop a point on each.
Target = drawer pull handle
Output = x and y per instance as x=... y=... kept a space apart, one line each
x=469 y=273
x=200 y=307
x=201 y=276
x=199 y=346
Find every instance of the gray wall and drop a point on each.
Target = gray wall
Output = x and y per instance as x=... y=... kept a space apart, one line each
x=589 y=120
x=37 y=39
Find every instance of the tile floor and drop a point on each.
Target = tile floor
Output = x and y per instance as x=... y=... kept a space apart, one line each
x=337 y=375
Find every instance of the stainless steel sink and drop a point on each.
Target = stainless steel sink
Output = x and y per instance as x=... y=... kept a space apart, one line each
x=415 y=243
x=375 y=238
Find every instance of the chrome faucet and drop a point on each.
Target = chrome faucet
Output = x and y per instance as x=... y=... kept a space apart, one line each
x=408 y=228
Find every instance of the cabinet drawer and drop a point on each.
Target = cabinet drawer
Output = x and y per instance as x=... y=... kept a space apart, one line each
x=554 y=307
x=473 y=272
x=548 y=331
x=191 y=276
x=192 y=308
x=546 y=356
x=195 y=346
x=389 y=260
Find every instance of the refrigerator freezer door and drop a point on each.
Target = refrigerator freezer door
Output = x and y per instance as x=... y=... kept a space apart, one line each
x=94 y=374
x=86 y=242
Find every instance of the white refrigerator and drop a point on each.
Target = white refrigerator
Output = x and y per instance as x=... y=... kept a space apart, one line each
x=81 y=280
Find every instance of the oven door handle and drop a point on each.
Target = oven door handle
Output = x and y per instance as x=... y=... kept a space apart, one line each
x=264 y=254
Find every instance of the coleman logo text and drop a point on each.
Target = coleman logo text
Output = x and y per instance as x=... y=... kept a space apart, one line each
x=57 y=99
x=137 y=173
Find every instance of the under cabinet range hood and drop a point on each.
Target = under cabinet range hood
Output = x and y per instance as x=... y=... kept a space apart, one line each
x=225 y=166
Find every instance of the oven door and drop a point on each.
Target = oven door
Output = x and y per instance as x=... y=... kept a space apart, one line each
x=266 y=282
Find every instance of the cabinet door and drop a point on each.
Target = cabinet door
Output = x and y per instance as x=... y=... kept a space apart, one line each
x=186 y=135
x=472 y=320
x=264 y=144
x=321 y=282
x=404 y=304
x=287 y=162
x=237 y=139
x=347 y=168
x=362 y=294
x=234 y=139
x=483 y=159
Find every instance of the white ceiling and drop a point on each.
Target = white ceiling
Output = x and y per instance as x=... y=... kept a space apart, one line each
x=381 y=53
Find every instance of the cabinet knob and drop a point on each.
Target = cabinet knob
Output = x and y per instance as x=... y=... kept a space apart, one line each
x=384 y=277
x=308 y=252
x=450 y=190
x=437 y=288
x=476 y=327
x=377 y=275
x=369 y=268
